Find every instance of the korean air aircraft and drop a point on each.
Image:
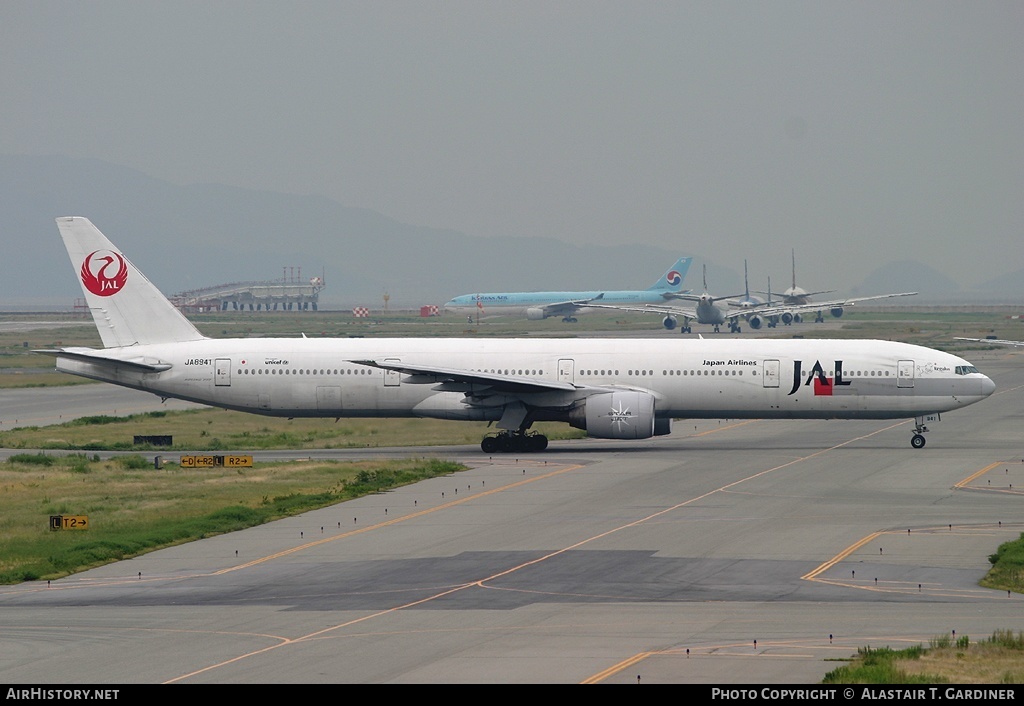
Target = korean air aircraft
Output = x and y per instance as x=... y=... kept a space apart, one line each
x=614 y=388
x=541 y=305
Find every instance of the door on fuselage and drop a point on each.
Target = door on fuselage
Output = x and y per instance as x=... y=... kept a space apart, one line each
x=328 y=398
x=905 y=373
x=566 y=370
x=222 y=372
x=392 y=378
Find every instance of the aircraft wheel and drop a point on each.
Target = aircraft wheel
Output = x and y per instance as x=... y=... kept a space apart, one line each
x=489 y=445
x=917 y=441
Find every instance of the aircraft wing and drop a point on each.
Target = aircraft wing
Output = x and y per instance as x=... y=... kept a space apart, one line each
x=691 y=297
x=849 y=302
x=688 y=295
x=570 y=306
x=458 y=379
x=650 y=309
x=1000 y=341
x=512 y=393
x=776 y=308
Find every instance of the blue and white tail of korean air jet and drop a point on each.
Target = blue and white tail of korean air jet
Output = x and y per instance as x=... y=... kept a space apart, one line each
x=541 y=305
x=672 y=280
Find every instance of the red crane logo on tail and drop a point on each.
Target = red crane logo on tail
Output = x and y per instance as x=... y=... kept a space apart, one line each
x=97 y=275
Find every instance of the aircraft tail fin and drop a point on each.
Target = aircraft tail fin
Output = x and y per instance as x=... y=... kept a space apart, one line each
x=673 y=278
x=127 y=308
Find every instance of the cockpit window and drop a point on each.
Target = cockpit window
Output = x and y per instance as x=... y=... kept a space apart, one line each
x=966 y=369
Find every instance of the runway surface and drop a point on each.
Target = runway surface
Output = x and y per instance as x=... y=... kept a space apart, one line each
x=731 y=552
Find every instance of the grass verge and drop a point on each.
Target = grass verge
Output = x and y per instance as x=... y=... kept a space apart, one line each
x=223 y=430
x=133 y=508
x=998 y=659
x=951 y=659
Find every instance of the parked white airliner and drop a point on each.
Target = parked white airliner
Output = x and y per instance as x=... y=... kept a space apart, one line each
x=613 y=388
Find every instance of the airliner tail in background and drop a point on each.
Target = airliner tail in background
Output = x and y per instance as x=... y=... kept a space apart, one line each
x=672 y=280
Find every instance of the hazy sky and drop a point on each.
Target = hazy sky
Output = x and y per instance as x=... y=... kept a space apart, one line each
x=857 y=132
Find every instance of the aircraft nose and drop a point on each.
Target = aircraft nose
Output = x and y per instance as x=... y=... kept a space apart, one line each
x=987 y=386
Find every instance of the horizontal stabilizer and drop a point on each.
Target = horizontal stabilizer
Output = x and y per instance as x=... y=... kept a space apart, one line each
x=94 y=357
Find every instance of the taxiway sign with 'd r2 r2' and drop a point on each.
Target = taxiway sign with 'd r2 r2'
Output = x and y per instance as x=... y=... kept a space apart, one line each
x=210 y=461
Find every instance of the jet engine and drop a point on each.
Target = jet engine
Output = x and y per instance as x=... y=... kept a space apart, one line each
x=754 y=321
x=619 y=415
x=789 y=317
x=669 y=322
x=836 y=311
x=535 y=313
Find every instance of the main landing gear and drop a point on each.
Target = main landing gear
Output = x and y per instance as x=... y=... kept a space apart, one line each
x=509 y=441
x=569 y=319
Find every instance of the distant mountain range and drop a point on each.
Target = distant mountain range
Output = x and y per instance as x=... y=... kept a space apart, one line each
x=200 y=235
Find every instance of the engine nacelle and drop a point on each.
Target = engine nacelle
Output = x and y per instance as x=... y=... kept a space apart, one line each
x=755 y=321
x=618 y=415
x=786 y=317
x=836 y=311
x=797 y=318
x=669 y=322
x=535 y=313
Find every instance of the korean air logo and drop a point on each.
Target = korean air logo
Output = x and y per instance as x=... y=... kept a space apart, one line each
x=104 y=273
x=673 y=277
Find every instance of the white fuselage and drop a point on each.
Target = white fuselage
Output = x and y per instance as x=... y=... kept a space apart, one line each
x=697 y=378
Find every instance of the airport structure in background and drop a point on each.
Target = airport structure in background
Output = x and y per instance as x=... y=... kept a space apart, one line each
x=290 y=293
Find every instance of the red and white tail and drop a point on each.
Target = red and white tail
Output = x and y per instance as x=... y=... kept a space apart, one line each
x=128 y=309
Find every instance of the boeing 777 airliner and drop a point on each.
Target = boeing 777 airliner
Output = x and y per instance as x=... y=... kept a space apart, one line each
x=614 y=388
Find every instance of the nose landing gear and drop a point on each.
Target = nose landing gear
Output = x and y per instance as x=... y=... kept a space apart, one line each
x=918 y=440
